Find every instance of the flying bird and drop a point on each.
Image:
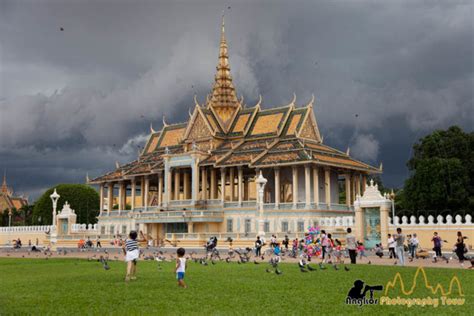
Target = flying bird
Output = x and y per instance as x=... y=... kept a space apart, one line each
x=61 y=29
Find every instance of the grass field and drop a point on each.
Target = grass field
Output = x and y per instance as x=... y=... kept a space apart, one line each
x=78 y=286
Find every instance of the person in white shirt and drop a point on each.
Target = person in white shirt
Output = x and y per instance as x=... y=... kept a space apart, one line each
x=180 y=267
x=391 y=246
x=414 y=245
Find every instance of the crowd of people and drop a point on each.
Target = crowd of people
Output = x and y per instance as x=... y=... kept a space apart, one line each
x=319 y=244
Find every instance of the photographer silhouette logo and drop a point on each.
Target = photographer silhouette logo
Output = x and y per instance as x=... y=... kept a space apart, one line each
x=358 y=294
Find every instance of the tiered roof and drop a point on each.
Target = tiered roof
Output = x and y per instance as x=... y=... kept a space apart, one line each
x=227 y=133
x=7 y=199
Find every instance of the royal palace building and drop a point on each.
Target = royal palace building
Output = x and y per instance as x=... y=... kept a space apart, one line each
x=199 y=177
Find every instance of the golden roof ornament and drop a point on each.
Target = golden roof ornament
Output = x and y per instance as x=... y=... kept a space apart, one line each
x=223 y=98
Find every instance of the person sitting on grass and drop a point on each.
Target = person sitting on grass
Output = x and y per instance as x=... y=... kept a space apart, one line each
x=180 y=267
x=130 y=249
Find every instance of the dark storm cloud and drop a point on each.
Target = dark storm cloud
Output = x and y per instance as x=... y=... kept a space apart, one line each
x=76 y=101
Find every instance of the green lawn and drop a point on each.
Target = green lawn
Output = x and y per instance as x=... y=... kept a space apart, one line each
x=74 y=287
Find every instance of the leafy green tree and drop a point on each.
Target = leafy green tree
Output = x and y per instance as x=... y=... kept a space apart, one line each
x=82 y=198
x=442 y=172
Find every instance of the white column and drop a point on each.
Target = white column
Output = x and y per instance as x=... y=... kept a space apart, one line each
x=307 y=184
x=277 y=187
x=357 y=184
x=142 y=191
x=327 y=185
x=167 y=178
x=147 y=188
x=134 y=189
x=204 y=183
x=110 y=197
x=239 y=184
x=160 y=188
x=223 y=185
x=316 y=185
x=213 y=184
x=101 y=192
x=176 y=184
x=295 y=186
x=120 y=197
x=186 y=185
x=257 y=173
x=364 y=183
x=231 y=183
x=195 y=181
x=347 y=179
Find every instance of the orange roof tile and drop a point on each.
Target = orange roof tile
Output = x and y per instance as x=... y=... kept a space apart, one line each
x=293 y=124
x=267 y=123
x=172 y=137
x=339 y=160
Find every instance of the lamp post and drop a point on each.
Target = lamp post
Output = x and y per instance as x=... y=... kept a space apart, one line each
x=261 y=182
x=9 y=218
x=392 y=198
x=54 y=198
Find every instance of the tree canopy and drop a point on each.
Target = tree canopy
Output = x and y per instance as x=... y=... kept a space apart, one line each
x=82 y=198
x=442 y=172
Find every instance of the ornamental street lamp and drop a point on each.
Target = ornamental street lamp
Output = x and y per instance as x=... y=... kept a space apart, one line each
x=261 y=182
x=54 y=198
x=9 y=217
x=392 y=198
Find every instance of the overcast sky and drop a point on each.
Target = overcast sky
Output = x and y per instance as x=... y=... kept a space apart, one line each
x=75 y=101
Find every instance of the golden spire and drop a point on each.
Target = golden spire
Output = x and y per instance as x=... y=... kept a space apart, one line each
x=5 y=188
x=223 y=97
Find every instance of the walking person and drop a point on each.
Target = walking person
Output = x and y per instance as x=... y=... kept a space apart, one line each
x=391 y=247
x=258 y=247
x=437 y=245
x=351 y=245
x=400 y=246
x=460 y=248
x=97 y=242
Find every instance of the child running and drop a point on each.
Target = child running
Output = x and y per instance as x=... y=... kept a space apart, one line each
x=361 y=250
x=180 y=267
x=130 y=249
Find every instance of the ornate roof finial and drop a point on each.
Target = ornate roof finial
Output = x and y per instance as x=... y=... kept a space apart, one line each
x=348 y=151
x=117 y=165
x=223 y=96
x=312 y=100
x=4 y=183
x=164 y=122
x=195 y=100
x=87 y=177
x=151 y=128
